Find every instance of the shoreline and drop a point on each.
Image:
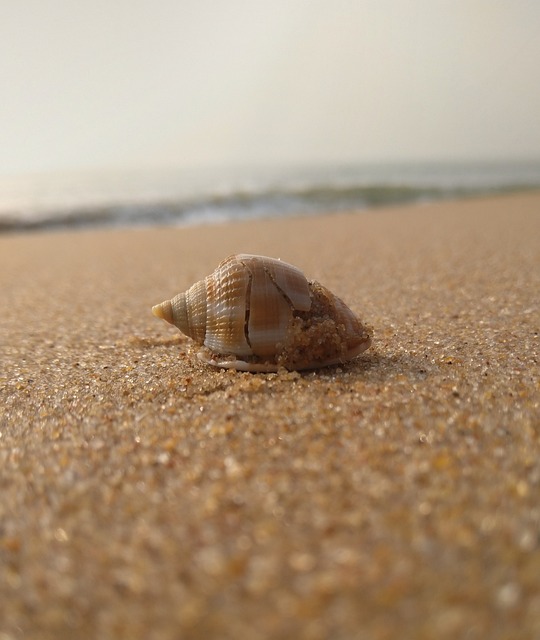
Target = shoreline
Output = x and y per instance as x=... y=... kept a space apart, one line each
x=38 y=227
x=129 y=205
x=144 y=492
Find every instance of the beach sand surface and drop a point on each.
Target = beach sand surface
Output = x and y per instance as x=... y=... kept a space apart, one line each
x=147 y=495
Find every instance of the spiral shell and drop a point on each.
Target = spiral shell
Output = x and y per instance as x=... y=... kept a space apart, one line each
x=258 y=314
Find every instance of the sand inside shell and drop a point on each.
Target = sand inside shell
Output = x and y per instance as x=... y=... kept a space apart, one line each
x=328 y=334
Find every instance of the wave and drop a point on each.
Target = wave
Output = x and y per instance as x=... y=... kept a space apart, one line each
x=297 y=198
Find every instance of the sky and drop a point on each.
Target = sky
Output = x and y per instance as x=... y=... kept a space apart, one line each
x=196 y=83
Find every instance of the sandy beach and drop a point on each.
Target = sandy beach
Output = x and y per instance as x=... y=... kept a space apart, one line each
x=146 y=495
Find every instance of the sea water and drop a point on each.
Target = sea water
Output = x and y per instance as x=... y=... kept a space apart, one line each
x=190 y=196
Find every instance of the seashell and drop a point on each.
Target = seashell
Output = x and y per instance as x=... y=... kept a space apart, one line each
x=259 y=314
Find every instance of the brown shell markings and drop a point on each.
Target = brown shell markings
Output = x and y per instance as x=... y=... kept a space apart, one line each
x=255 y=313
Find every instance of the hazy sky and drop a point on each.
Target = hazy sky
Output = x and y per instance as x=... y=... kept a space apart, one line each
x=128 y=83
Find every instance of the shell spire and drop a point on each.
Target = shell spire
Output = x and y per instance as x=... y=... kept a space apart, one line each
x=164 y=311
x=187 y=311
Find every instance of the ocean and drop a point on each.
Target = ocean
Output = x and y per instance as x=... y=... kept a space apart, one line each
x=92 y=199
